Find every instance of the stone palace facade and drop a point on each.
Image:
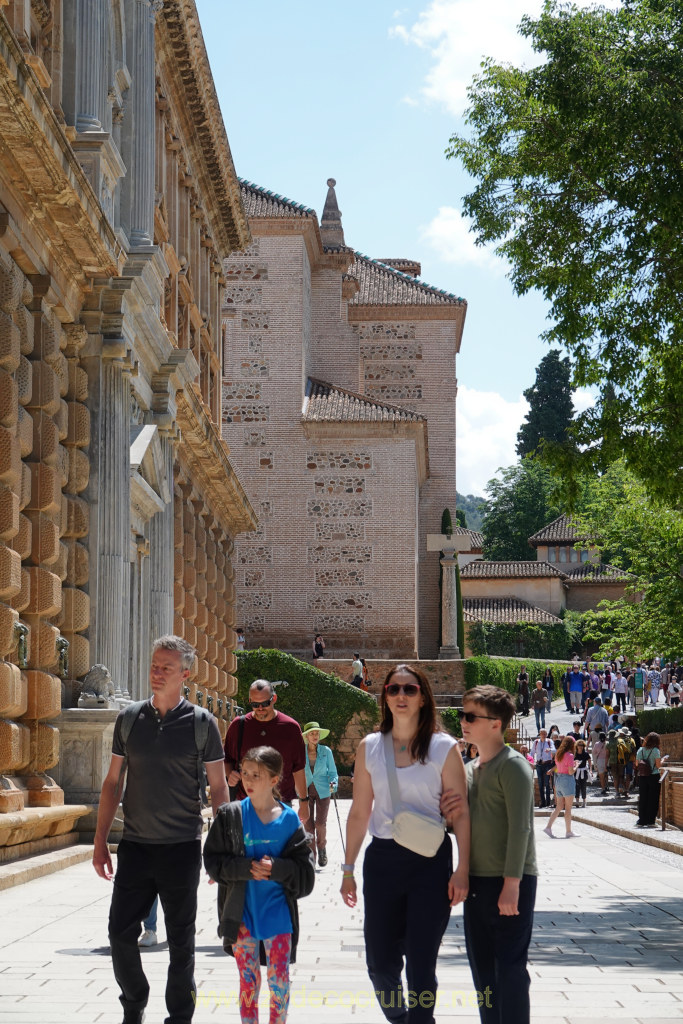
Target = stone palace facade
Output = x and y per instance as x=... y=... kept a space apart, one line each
x=119 y=505
x=339 y=408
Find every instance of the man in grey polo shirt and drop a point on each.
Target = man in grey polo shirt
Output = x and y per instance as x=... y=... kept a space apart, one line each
x=160 y=852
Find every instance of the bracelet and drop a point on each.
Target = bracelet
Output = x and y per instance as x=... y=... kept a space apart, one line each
x=300 y=798
x=348 y=868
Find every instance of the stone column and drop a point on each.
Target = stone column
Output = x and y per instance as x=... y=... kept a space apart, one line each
x=161 y=530
x=114 y=539
x=449 y=607
x=143 y=115
x=91 y=83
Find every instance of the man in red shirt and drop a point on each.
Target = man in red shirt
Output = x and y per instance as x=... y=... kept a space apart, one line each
x=266 y=727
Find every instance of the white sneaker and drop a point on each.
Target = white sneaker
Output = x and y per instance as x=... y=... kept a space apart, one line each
x=572 y=835
x=148 y=938
x=548 y=831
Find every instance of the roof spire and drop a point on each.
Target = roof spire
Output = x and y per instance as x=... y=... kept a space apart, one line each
x=331 y=229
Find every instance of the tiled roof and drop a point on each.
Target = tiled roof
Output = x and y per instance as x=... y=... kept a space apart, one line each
x=560 y=531
x=261 y=202
x=381 y=285
x=602 y=573
x=480 y=569
x=325 y=402
x=504 y=609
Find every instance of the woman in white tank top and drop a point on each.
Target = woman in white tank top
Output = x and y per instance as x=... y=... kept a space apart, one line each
x=408 y=896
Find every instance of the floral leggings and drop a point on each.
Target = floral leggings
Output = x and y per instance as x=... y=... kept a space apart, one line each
x=278 y=951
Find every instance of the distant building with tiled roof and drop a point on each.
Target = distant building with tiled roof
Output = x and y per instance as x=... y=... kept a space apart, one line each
x=564 y=576
x=507 y=610
x=482 y=569
x=339 y=392
x=561 y=531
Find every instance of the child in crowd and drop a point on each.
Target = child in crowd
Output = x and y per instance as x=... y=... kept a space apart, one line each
x=259 y=854
x=499 y=909
x=581 y=767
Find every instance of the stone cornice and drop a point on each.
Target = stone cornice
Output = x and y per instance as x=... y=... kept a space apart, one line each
x=206 y=458
x=182 y=57
x=266 y=227
x=326 y=430
x=47 y=178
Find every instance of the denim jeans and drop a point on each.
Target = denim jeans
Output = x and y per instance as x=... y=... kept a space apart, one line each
x=497 y=949
x=143 y=871
x=406 y=913
x=540 y=718
x=150 y=922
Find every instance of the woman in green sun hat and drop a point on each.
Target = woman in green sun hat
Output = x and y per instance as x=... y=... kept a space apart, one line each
x=322 y=781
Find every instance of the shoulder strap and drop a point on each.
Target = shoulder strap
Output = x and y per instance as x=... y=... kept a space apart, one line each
x=201 y=729
x=129 y=717
x=391 y=772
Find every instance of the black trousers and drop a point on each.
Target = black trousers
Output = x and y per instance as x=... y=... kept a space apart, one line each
x=406 y=913
x=648 y=799
x=497 y=949
x=542 y=769
x=143 y=871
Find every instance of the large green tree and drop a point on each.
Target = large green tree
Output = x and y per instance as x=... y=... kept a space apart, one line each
x=579 y=172
x=521 y=501
x=645 y=537
x=550 y=405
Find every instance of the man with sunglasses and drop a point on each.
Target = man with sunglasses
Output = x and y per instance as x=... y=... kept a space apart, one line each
x=265 y=726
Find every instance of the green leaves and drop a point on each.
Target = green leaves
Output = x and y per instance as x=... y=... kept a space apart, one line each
x=580 y=182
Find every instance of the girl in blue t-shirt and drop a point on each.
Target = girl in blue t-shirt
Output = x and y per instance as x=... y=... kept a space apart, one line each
x=258 y=851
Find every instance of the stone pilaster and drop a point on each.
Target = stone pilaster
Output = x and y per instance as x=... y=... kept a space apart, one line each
x=113 y=555
x=161 y=529
x=449 y=607
x=143 y=115
x=91 y=82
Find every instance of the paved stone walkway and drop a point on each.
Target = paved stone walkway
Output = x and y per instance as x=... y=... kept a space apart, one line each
x=606 y=946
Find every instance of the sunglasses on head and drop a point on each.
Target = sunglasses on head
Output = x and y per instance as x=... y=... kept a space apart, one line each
x=409 y=689
x=257 y=705
x=470 y=716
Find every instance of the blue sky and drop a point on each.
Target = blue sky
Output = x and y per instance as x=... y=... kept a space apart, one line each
x=369 y=93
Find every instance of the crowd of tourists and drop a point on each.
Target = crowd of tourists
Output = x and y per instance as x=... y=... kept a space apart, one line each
x=605 y=747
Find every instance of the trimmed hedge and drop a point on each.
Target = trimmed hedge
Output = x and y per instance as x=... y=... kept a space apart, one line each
x=661 y=720
x=311 y=696
x=503 y=672
x=555 y=641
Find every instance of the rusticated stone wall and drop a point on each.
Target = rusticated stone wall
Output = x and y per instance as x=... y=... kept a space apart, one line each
x=44 y=467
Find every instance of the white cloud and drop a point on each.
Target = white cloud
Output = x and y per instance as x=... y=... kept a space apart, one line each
x=450 y=236
x=583 y=398
x=486 y=435
x=459 y=33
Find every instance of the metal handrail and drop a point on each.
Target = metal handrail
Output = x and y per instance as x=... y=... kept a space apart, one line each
x=662 y=796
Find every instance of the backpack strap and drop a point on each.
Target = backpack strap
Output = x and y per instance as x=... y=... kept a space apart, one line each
x=129 y=717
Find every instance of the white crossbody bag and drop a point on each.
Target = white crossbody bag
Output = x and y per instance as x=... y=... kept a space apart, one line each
x=415 y=831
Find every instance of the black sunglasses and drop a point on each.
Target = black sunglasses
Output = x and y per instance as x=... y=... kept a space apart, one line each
x=261 y=704
x=470 y=716
x=409 y=689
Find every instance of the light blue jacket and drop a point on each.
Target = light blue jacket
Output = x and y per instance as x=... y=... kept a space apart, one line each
x=325 y=772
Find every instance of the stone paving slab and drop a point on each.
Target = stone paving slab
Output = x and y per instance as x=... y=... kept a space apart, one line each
x=605 y=944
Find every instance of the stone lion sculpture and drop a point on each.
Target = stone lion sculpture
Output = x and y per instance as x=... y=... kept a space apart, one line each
x=98 y=689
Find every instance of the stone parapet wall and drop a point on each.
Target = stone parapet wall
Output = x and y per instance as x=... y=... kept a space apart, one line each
x=445 y=677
